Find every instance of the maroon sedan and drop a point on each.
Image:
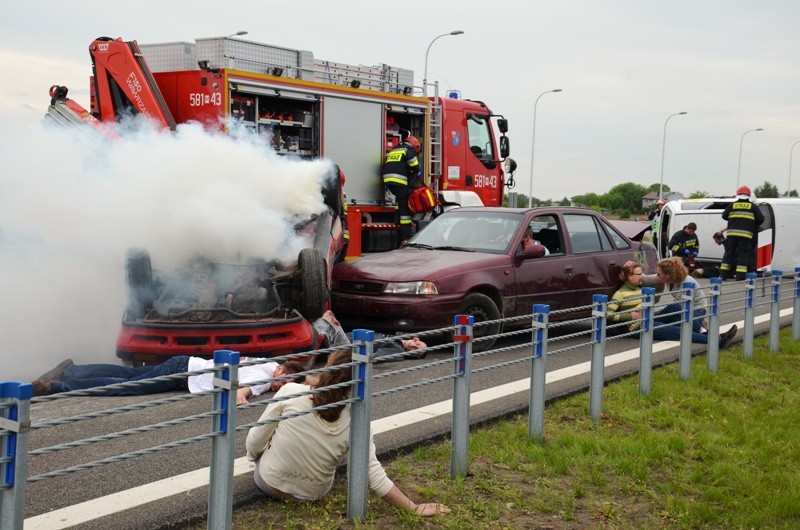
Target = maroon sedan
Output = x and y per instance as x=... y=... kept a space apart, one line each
x=478 y=261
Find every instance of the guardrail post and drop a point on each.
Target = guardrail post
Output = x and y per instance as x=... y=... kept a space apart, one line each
x=646 y=341
x=541 y=313
x=796 y=306
x=358 y=458
x=687 y=307
x=461 y=387
x=597 y=378
x=15 y=406
x=749 y=314
x=712 y=362
x=220 y=486
x=775 y=312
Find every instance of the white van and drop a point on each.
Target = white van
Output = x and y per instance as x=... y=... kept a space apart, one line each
x=778 y=244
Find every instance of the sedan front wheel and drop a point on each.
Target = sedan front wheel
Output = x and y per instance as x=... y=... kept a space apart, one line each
x=483 y=309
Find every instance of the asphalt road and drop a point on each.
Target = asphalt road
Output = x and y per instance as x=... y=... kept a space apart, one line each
x=571 y=341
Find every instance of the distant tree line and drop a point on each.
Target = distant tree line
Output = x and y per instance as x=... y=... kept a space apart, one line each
x=625 y=200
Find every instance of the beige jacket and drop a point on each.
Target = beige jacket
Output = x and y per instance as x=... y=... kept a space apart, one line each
x=299 y=455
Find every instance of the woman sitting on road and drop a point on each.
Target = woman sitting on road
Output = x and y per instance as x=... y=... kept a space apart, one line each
x=666 y=324
x=626 y=301
x=296 y=458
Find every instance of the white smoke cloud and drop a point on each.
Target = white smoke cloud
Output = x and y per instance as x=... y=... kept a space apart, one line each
x=72 y=204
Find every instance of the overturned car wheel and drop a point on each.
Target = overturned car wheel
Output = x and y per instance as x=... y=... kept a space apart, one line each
x=139 y=280
x=314 y=293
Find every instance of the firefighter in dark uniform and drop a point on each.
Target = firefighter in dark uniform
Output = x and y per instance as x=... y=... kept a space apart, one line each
x=743 y=218
x=401 y=173
x=684 y=244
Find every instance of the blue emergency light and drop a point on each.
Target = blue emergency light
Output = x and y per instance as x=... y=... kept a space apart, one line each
x=454 y=94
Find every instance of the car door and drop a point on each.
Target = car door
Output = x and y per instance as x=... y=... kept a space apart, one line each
x=596 y=261
x=546 y=279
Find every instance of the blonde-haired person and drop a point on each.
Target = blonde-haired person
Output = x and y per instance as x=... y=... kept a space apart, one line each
x=672 y=274
x=296 y=458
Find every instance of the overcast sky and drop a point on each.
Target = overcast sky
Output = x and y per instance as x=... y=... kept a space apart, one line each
x=624 y=67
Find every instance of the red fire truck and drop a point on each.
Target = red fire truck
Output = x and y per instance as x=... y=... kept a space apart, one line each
x=307 y=107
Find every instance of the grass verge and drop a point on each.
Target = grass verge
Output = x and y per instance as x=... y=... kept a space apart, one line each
x=719 y=451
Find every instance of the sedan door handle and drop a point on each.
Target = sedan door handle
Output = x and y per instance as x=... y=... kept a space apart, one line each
x=569 y=269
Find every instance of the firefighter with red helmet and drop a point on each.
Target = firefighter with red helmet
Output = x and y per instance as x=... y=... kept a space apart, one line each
x=743 y=218
x=401 y=173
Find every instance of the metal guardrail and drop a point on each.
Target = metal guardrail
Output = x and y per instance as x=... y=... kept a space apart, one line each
x=16 y=398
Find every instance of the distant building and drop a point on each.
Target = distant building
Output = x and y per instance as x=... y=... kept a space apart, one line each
x=649 y=201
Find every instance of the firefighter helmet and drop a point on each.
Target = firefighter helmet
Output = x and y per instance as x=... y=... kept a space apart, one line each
x=662 y=201
x=743 y=190
x=413 y=141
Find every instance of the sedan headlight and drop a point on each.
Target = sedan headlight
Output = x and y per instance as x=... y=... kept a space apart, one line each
x=411 y=288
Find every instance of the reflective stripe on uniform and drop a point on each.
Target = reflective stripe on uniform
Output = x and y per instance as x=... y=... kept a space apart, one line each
x=740 y=233
x=394 y=178
x=743 y=215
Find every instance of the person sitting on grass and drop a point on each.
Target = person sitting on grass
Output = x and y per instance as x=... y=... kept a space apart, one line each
x=68 y=376
x=296 y=458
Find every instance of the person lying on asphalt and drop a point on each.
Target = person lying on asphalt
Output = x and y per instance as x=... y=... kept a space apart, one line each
x=68 y=376
x=328 y=326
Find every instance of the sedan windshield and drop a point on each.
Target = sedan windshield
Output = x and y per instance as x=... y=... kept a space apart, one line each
x=469 y=231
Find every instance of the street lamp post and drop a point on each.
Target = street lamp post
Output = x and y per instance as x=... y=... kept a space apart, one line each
x=663 y=150
x=789 y=184
x=739 y=170
x=425 y=76
x=533 y=144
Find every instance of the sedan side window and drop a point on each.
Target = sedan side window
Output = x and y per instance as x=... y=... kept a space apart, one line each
x=546 y=231
x=585 y=235
x=619 y=241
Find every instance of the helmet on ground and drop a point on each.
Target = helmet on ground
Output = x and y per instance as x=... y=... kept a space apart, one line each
x=412 y=140
x=743 y=190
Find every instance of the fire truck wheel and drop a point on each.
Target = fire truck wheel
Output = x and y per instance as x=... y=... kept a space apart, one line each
x=483 y=309
x=314 y=285
x=139 y=280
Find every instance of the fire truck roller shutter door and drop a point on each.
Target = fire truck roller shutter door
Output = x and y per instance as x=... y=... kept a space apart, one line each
x=352 y=138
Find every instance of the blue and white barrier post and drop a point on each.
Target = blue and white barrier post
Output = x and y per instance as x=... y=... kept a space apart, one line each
x=358 y=458
x=712 y=362
x=15 y=399
x=796 y=306
x=461 y=387
x=541 y=313
x=597 y=378
x=687 y=310
x=220 y=486
x=775 y=312
x=646 y=341
x=749 y=314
